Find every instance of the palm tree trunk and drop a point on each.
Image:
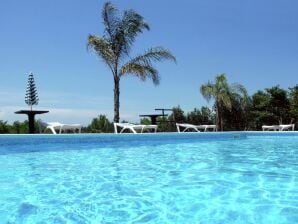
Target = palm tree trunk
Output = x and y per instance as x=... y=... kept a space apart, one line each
x=116 y=99
x=217 y=118
x=217 y=122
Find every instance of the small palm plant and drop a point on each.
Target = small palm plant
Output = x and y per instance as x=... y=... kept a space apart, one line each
x=114 y=47
x=223 y=95
x=31 y=97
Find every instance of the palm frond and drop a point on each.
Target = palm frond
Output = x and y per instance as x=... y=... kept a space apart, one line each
x=142 y=65
x=240 y=94
x=207 y=91
x=130 y=26
x=221 y=78
x=154 y=55
x=102 y=49
x=110 y=19
x=141 y=71
x=225 y=100
x=238 y=88
x=221 y=83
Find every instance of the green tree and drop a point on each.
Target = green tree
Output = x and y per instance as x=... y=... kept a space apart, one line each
x=279 y=104
x=31 y=97
x=4 y=127
x=293 y=98
x=237 y=117
x=177 y=115
x=270 y=107
x=223 y=95
x=114 y=47
x=145 y=121
x=200 y=116
x=165 y=124
x=260 y=110
x=21 y=127
x=100 y=124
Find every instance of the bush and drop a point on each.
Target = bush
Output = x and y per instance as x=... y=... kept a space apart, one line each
x=100 y=124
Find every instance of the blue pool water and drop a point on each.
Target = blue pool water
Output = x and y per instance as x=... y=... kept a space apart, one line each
x=163 y=178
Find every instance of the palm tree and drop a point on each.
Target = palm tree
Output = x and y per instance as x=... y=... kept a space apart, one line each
x=114 y=47
x=223 y=94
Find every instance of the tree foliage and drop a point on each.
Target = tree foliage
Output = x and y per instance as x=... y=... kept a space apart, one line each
x=4 y=128
x=293 y=99
x=272 y=106
x=31 y=97
x=114 y=48
x=177 y=115
x=225 y=97
x=100 y=124
x=200 y=116
x=16 y=128
x=145 y=121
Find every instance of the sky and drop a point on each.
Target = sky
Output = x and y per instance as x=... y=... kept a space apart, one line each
x=254 y=42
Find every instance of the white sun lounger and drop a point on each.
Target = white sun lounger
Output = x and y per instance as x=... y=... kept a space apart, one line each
x=186 y=127
x=270 y=127
x=205 y=127
x=57 y=126
x=133 y=127
x=286 y=127
x=281 y=127
x=194 y=127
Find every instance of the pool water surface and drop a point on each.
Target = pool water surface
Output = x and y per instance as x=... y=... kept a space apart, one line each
x=152 y=178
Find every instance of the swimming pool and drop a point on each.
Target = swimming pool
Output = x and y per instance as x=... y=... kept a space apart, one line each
x=151 y=178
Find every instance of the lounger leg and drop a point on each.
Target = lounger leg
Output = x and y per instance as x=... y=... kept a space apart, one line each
x=197 y=130
x=185 y=129
x=115 y=128
x=178 y=128
x=133 y=130
x=130 y=128
x=53 y=130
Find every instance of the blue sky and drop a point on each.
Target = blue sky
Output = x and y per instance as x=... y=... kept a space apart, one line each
x=254 y=42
